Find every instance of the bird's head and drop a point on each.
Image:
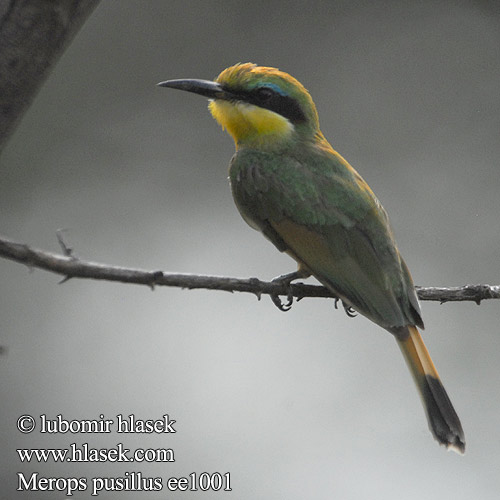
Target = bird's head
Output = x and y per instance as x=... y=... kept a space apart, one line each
x=259 y=106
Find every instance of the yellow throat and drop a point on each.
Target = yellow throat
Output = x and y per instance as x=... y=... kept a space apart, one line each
x=249 y=123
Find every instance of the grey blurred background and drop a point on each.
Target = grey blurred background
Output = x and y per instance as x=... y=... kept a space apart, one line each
x=308 y=404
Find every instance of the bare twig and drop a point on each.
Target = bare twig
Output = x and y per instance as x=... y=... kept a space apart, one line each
x=71 y=267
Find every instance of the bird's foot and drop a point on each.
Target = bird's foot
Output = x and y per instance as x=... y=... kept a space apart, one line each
x=347 y=308
x=285 y=279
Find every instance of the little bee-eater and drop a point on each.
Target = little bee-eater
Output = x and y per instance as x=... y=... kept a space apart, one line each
x=290 y=184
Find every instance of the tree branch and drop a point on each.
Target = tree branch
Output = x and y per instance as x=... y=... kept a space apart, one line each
x=33 y=35
x=69 y=266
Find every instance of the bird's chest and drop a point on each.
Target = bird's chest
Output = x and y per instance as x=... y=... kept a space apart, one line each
x=260 y=184
x=250 y=186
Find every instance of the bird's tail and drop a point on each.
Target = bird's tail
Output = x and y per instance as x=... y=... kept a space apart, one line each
x=443 y=420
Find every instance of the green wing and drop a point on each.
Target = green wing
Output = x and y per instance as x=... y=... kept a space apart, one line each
x=318 y=209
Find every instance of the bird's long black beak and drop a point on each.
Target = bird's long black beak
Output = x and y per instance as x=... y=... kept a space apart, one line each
x=206 y=88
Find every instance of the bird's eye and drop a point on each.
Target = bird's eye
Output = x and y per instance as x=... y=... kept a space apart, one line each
x=264 y=94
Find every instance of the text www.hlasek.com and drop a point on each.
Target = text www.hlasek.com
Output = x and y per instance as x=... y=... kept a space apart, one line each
x=84 y=453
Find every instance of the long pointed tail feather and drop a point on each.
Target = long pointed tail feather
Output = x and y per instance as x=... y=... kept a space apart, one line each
x=443 y=420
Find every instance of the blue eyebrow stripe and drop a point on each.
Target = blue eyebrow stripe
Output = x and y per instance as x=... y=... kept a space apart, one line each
x=274 y=87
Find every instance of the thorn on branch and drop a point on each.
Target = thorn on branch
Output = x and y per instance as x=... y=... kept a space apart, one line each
x=156 y=276
x=28 y=263
x=256 y=283
x=66 y=249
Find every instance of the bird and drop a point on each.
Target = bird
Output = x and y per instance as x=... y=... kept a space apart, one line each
x=291 y=185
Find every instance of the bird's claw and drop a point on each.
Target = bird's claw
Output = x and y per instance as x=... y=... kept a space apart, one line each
x=285 y=279
x=350 y=311
x=347 y=308
x=284 y=307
